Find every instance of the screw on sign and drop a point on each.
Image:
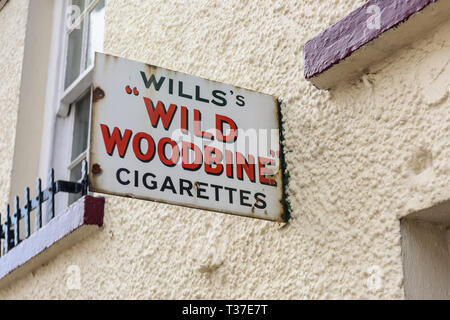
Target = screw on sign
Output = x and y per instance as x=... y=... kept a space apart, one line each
x=166 y=136
x=96 y=169
x=98 y=94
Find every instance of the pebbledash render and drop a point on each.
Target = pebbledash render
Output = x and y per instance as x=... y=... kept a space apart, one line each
x=365 y=113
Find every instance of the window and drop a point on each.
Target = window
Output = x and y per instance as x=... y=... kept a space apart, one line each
x=426 y=253
x=79 y=139
x=83 y=35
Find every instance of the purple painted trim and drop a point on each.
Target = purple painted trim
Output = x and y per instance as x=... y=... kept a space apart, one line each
x=94 y=210
x=351 y=33
x=61 y=232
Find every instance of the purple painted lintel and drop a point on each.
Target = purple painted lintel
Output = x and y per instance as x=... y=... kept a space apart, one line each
x=352 y=32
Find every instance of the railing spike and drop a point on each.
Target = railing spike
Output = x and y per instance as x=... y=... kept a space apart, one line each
x=16 y=221
x=6 y=230
x=27 y=207
x=51 y=189
x=84 y=174
x=1 y=233
x=39 y=204
x=11 y=238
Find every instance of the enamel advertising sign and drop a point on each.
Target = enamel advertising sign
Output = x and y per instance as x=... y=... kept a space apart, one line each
x=167 y=136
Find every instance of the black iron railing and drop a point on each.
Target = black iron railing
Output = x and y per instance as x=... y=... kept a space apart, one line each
x=10 y=228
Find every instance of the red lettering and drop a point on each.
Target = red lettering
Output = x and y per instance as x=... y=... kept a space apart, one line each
x=160 y=112
x=111 y=140
x=229 y=163
x=172 y=161
x=144 y=157
x=213 y=156
x=197 y=163
x=197 y=126
x=184 y=120
x=263 y=171
x=243 y=165
x=232 y=135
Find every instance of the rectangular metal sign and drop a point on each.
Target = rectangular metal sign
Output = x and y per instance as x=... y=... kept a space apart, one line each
x=167 y=136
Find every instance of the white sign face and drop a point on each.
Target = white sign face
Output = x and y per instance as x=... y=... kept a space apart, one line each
x=167 y=136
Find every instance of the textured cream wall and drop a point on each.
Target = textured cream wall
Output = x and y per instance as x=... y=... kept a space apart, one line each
x=13 y=19
x=359 y=157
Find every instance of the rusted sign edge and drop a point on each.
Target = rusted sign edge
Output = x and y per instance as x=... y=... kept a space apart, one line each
x=185 y=73
x=285 y=176
x=129 y=196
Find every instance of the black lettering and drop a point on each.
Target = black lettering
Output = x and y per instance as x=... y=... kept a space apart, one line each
x=148 y=82
x=260 y=202
x=230 y=191
x=184 y=188
x=216 y=188
x=243 y=197
x=118 y=176
x=168 y=184
x=198 y=95
x=180 y=91
x=136 y=178
x=217 y=94
x=170 y=86
x=153 y=185
x=240 y=101
x=201 y=190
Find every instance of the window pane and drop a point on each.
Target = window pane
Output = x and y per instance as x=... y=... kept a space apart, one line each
x=96 y=31
x=81 y=126
x=75 y=175
x=73 y=59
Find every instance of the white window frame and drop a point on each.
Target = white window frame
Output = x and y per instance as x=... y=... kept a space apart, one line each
x=60 y=101
x=83 y=82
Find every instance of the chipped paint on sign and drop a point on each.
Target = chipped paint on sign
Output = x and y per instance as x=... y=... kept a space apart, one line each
x=166 y=136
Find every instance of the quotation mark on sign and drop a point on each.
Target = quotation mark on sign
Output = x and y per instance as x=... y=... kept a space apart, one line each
x=135 y=91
